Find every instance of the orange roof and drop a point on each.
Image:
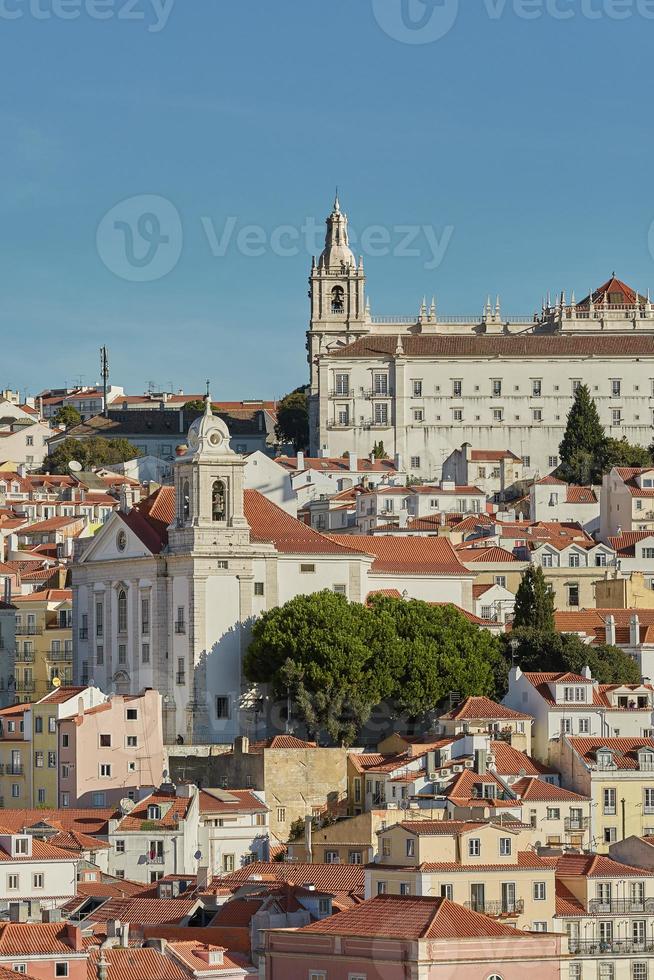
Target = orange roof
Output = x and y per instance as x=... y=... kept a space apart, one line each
x=492 y=556
x=340 y=463
x=596 y=866
x=510 y=761
x=281 y=742
x=89 y=821
x=532 y=788
x=613 y=287
x=72 y=840
x=145 y=911
x=326 y=877
x=624 y=749
x=566 y=903
x=173 y=809
x=270 y=523
x=625 y=544
x=408 y=917
x=518 y=346
x=61 y=695
x=466 y=787
x=492 y=455
x=34 y=939
x=479 y=708
x=135 y=963
x=245 y=801
x=405 y=554
x=46 y=595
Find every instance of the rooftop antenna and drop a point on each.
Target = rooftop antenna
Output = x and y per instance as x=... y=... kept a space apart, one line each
x=104 y=372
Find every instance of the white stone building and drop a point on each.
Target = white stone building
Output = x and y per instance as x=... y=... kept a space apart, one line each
x=425 y=384
x=493 y=470
x=554 y=500
x=165 y=594
x=627 y=501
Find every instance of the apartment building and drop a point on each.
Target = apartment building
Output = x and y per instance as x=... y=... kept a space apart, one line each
x=495 y=471
x=35 y=874
x=627 y=501
x=233 y=829
x=551 y=499
x=44 y=642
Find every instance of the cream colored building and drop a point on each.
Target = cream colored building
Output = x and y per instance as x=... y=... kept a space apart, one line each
x=484 y=866
x=425 y=384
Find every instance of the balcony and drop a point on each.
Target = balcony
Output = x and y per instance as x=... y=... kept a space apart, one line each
x=337 y=393
x=62 y=655
x=83 y=632
x=180 y=627
x=24 y=658
x=25 y=687
x=575 y=823
x=621 y=906
x=155 y=859
x=498 y=908
x=180 y=677
x=599 y=947
x=26 y=631
x=15 y=769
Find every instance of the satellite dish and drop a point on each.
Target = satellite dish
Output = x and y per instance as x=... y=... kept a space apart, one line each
x=197 y=855
x=74 y=466
x=56 y=681
x=126 y=805
x=165 y=774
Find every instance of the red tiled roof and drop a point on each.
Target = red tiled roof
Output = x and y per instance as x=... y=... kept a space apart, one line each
x=46 y=595
x=492 y=556
x=566 y=903
x=510 y=761
x=405 y=554
x=624 y=749
x=531 y=788
x=407 y=917
x=145 y=911
x=340 y=463
x=61 y=694
x=475 y=707
x=89 y=821
x=326 y=877
x=52 y=524
x=439 y=828
x=596 y=866
x=136 y=963
x=581 y=495
x=491 y=455
x=173 y=809
x=33 y=939
x=245 y=802
x=466 y=783
x=281 y=742
x=628 y=296
x=270 y=523
x=72 y=840
x=41 y=851
x=625 y=544
x=520 y=346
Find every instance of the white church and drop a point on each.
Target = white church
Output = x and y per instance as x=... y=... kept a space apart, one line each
x=166 y=592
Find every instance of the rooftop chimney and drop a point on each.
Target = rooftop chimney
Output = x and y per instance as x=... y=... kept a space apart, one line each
x=609 y=627
x=308 y=840
x=300 y=460
x=634 y=630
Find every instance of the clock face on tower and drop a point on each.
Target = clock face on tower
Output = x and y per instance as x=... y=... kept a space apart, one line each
x=193 y=437
x=216 y=438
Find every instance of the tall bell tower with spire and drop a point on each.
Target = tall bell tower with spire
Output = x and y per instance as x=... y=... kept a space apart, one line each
x=338 y=302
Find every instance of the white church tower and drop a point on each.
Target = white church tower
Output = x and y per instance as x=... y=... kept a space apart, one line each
x=338 y=304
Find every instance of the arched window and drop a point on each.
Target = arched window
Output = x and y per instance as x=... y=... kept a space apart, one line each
x=122 y=611
x=218 y=501
x=186 y=501
x=338 y=299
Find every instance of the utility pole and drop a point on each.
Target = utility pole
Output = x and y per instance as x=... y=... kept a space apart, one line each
x=104 y=372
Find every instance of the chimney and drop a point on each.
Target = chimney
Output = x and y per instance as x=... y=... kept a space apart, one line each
x=21 y=469
x=124 y=935
x=308 y=838
x=634 y=630
x=586 y=672
x=354 y=462
x=609 y=627
x=74 y=937
x=213 y=955
x=404 y=518
x=103 y=966
x=51 y=915
x=398 y=462
x=241 y=745
x=300 y=461
x=480 y=761
x=202 y=882
x=514 y=675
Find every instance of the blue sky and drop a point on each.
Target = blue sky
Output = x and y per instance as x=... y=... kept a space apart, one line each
x=522 y=145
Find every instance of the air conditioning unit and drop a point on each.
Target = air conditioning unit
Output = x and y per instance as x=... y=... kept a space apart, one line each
x=443 y=772
x=458 y=768
x=432 y=777
x=469 y=763
x=391 y=806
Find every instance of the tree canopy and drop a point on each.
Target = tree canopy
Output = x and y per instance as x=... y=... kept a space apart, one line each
x=67 y=416
x=534 y=601
x=293 y=418
x=338 y=660
x=586 y=451
x=95 y=451
x=535 y=649
x=194 y=405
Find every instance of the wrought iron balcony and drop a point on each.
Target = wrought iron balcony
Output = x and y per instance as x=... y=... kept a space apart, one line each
x=25 y=687
x=180 y=627
x=621 y=906
x=65 y=655
x=515 y=907
x=26 y=631
x=599 y=947
x=181 y=677
x=155 y=859
x=83 y=632
x=15 y=769
x=24 y=657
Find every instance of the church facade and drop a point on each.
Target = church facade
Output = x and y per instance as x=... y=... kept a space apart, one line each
x=426 y=384
x=165 y=594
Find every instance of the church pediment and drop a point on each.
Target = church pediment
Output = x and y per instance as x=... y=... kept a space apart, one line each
x=114 y=541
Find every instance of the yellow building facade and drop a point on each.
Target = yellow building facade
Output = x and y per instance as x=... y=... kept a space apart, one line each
x=44 y=643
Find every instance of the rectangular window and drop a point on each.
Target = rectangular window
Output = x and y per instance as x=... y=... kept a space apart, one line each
x=38 y=724
x=474 y=847
x=281 y=814
x=105 y=770
x=39 y=760
x=13 y=883
x=536 y=388
x=415 y=462
x=639 y=970
x=411 y=847
x=105 y=741
x=526 y=460
x=40 y=796
x=457 y=388
x=145 y=653
x=584 y=726
x=609 y=801
x=505 y=846
x=540 y=891
x=37 y=881
x=61 y=969
x=496 y=387
x=616 y=416
x=99 y=656
x=537 y=415
x=131 y=741
x=498 y=414
x=418 y=415
x=131 y=714
x=573 y=594
x=380 y=384
x=416 y=387
x=222 y=706
x=145 y=616
x=553 y=462
x=65 y=771
x=99 y=799
x=122 y=654
x=342 y=384
x=99 y=618
x=307 y=569
x=258 y=588
x=120 y=847
x=405 y=888
x=381 y=413
x=457 y=416
x=616 y=387
x=52 y=760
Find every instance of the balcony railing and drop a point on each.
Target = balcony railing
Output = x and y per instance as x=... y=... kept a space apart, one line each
x=181 y=677
x=620 y=906
x=599 y=947
x=498 y=908
x=15 y=769
x=575 y=823
x=155 y=859
x=84 y=633
x=24 y=658
x=180 y=627
x=26 y=631
x=25 y=687
x=66 y=655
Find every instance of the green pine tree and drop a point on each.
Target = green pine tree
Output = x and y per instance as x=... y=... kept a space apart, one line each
x=534 y=601
x=583 y=449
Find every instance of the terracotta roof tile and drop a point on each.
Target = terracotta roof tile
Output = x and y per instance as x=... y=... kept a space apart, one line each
x=27 y=938
x=405 y=554
x=442 y=346
x=244 y=801
x=624 y=749
x=532 y=788
x=145 y=911
x=326 y=877
x=136 y=963
x=479 y=708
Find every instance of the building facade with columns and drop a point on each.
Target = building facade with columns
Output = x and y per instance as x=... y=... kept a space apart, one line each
x=424 y=385
x=166 y=592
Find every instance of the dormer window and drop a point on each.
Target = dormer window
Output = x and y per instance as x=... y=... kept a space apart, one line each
x=577 y=694
x=154 y=811
x=22 y=845
x=605 y=760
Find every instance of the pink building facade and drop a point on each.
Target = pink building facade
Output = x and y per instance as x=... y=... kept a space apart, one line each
x=441 y=941
x=111 y=751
